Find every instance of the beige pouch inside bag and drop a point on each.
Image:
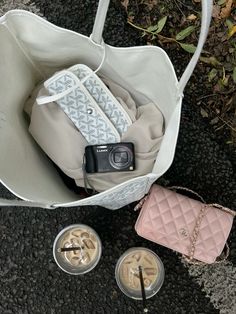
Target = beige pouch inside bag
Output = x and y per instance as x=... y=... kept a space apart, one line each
x=58 y=137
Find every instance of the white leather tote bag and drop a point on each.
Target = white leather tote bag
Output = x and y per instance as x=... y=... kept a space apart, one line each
x=31 y=50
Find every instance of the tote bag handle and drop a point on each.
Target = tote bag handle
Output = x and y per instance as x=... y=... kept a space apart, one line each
x=19 y=203
x=207 y=6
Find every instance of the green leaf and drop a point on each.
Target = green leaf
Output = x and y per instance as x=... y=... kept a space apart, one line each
x=229 y=23
x=210 y=60
x=188 y=47
x=185 y=33
x=153 y=37
x=225 y=81
x=152 y=28
x=234 y=74
x=212 y=74
x=221 y=2
x=160 y=25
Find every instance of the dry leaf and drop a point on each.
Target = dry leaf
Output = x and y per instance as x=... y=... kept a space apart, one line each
x=226 y=11
x=204 y=114
x=125 y=4
x=214 y=121
x=191 y=17
x=216 y=11
x=130 y=18
x=151 y=4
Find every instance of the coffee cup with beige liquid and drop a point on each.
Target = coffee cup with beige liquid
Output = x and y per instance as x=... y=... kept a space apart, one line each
x=77 y=249
x=136 y=267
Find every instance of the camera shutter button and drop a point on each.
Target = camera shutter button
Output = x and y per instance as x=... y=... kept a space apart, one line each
x=89 y=110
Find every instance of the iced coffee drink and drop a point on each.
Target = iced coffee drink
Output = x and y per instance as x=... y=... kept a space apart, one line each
x=128 y=277
x=77 y=249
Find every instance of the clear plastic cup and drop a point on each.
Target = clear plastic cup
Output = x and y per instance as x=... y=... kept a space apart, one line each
x=127 y=272
x=87 y=253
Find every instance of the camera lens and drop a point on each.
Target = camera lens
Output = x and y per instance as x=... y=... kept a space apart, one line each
x=120 y=157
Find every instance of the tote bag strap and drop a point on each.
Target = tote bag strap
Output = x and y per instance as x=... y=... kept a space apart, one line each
x=207 y=6
x=100 y=21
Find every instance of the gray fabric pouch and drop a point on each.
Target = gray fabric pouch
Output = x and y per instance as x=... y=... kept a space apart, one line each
x=88 y=103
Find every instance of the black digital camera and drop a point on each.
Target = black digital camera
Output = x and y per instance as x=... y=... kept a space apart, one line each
x=109 y=157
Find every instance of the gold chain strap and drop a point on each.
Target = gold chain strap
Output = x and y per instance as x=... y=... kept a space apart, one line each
x=187 y=190
x=225 y=209
x=196 y=229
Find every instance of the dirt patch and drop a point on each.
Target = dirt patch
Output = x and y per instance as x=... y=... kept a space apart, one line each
x=175 y=25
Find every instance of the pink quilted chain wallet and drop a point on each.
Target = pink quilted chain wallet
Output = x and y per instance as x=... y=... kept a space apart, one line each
x=199 y=231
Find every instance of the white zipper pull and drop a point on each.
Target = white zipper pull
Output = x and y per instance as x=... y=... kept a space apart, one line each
x=140 y=204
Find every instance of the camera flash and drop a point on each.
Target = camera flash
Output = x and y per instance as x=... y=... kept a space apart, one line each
x=131 y=168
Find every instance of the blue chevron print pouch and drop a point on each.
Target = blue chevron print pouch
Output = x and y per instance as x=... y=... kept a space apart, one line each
x=82 y=109
x=103 y=97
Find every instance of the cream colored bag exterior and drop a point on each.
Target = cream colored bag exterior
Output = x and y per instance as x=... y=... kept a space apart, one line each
x=31 y=50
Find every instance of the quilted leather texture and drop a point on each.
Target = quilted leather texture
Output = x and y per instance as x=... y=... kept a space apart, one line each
x=82 y=110
x=104 y=98
x=168 y=218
